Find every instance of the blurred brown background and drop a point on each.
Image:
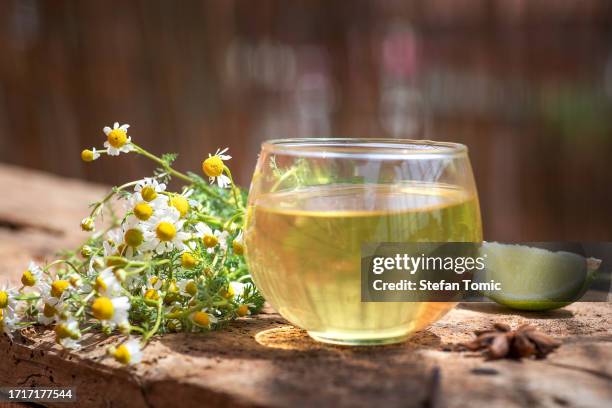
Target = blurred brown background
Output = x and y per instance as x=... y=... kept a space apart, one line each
x=526 y=84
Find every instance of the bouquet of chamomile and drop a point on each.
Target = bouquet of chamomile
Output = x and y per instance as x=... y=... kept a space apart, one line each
x=156 y=261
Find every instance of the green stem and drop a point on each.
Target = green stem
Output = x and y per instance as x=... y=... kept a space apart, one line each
x=209 y=219
x=27 y=297
x=282 y=178
x=198 y=306
x=157 y=323
x=137 y=329
x=162 y=163
x=98 y=206
x=82 y=308
x=58 y=262
x=232 y=218
x=233 y=187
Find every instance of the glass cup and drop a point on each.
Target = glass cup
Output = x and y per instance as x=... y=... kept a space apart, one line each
x=314 y=202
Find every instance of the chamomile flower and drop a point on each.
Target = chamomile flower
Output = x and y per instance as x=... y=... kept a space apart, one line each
x=244 y=309
x=67 y=333
x=163 y=233
x=132 y=236
x=150 y=288
x=59 y=288
x=187 y=287
x=203 y=319
x=213 y=167
x=7 y=299
x=51 y=303
x=7 y=323
x=155 y=282
x=238 y=244
x=32 y=276
x=90 y=155
x=149 y=188
x=49 y=310
x=114 y=246
x=88 y=224
x=127 y=353
x=237 y=289
x=181 y=202
x=211 y=239
x=107 y=284
x=112 y=312
x=118 y=140
x=150 y=294
x=189 y=259
x=143 y=210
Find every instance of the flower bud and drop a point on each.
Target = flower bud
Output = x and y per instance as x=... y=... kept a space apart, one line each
x=120 y=274
x=86 y=251
x=88 y=224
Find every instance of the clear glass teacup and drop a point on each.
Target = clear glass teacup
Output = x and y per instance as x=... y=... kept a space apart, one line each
x=314 y=202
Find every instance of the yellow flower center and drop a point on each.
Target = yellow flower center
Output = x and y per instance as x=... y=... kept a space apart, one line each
x=3 y=299
x=143 y=211
x=180 y=203
x=201 y=318
x=188 y=260
x=102 y=308
x=133 y=237
x=238 y=248
x=49 y=311
x=58 y=287
x=151 y=294
x=88 y=224
x=172 y=294
x=154 y=280
x=172 y=287
x=213 y=166
x=62 y=331
x=87 y=155
x=28 y=279
x=165 y=231
x=122 y=354
x=242 y=310
x=100 y=284
x=191 y=288
x=148 y=193
x=210 y=241
x=117 y=138
x=229 y=293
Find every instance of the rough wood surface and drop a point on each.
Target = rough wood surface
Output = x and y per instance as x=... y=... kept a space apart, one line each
x=264 y=362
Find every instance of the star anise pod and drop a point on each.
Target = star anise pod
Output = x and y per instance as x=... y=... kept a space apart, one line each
x=500 y=341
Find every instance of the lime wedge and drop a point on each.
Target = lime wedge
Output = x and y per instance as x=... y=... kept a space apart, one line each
x=534 y=278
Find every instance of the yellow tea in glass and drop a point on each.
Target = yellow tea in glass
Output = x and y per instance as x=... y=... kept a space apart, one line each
x=314 y=202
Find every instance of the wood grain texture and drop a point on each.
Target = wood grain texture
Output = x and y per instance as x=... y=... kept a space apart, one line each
x=262 y=361
x=525 y=84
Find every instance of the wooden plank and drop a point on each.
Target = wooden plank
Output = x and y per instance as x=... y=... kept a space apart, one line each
x=262 y=361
